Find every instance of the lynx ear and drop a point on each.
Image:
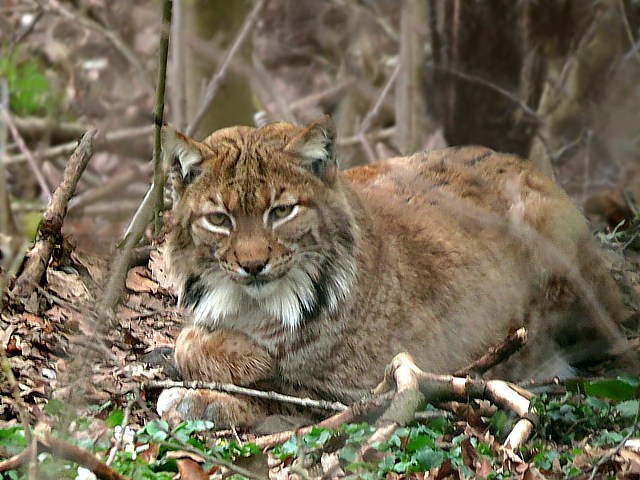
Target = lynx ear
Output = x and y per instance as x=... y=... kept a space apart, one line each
x=315 y=147
x=181 y=157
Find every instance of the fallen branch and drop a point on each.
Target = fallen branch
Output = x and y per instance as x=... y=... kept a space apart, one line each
x=230 y=388
x=153 y=198
x=66 y=451
x=67 y=148
x=495 y=355
x=355 y=413
x=22 y=146
x=51 y=226
x=413 y=386
x=61 y=131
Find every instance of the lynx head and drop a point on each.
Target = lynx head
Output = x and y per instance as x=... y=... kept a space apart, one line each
x=260 y=225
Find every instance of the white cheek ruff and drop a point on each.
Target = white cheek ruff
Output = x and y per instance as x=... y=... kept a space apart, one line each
x=287 y=299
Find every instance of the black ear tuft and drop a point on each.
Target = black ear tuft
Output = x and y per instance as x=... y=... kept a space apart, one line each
x=315 y=147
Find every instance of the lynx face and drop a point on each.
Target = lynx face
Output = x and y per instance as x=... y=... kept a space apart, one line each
x=258 y=229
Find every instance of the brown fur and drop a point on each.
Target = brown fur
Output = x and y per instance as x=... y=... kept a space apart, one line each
x=439 y=254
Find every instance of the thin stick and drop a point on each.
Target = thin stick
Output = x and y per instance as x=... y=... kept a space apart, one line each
x=628 y=31
x=153 y=197
x=158 y=112
x=619 y=447
x=230 y=388
x=6 y=218
x=355 y=413
x=496 y=355
x=481 y=81
x=216 y=81
x=67 y=148
x=51 y=226
x=15 y=462
x=25 y=151
x=375 y=110
x=35 y=126
x=177 y=96
x=373 y=113
x=79 y=456
x=214 y=457
x=119 y=440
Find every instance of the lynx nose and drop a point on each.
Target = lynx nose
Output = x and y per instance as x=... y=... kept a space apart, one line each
x=253 y=267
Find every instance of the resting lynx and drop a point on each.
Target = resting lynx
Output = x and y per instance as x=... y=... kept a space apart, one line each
x=305 y=279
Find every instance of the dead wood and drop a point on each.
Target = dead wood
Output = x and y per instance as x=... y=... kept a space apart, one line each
x=66 y=451
x=50 y=229
x=496 y=355
x=357 y=412
x=230 y=388
x=413 y=386
x=152 y=203
x=34 y=127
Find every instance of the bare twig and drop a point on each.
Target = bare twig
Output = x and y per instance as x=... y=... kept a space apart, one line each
x=628 y=31
x=34 y=126
x=177 y=97
x=375 y=109
x=491 y=86
x=606 y=458
x=214 y=458
x=373 y=113
x=413 y=386
x=375 y=136
x=6 y=218
x=145 y=212
x=25 y=151
x=355 y=413
x=230 y=388
x=216 y=81
x=266 y=82
x=43 y=442
x=158 y=113
x=496 y=355
x=15 y=462
x=107 y=189
x=120 y=438
x=51 y=226
x=67 y=148
x=78 y=455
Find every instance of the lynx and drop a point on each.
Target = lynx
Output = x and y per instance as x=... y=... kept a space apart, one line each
x=306 y=279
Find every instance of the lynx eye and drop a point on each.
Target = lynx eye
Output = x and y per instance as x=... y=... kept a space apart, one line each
x=283 y=211
x=217 y=222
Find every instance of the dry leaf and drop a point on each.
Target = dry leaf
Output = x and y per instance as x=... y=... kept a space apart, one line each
x=68 y=286
x=138 y=281
x=191 y=470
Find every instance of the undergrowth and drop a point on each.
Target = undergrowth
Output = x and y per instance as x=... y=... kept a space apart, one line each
x=574 y=430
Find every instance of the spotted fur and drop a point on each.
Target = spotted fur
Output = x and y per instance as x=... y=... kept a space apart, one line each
x=311 y=279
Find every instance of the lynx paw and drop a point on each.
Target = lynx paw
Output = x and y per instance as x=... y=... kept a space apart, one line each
x=178 y=404
x=220 y=355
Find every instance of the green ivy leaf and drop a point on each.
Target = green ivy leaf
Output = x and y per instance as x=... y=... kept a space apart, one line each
x=628 y=409
x=622 y=388
x=115 y=418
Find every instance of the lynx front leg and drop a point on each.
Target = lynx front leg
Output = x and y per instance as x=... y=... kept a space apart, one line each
x=223 y=356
